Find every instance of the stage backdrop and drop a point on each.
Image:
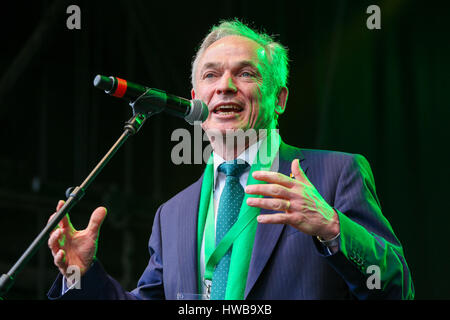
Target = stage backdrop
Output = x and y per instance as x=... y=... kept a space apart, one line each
x=382 y=93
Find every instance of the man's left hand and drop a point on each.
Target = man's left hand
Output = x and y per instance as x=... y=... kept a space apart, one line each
x=301 y=204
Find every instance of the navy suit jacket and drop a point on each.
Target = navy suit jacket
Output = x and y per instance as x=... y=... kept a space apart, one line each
x=285 y=263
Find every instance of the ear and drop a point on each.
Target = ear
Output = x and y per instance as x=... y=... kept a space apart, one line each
x=192 y=94
x=282 y=100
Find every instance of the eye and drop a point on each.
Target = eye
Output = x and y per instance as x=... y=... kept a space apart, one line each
x=208 y=75
x=246 y=74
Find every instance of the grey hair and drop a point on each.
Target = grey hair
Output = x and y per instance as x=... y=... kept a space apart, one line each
x=277 y=55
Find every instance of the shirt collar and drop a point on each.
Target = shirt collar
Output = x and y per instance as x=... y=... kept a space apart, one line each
x=248 y=155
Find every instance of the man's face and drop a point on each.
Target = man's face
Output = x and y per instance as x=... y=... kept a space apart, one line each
x=232 y=80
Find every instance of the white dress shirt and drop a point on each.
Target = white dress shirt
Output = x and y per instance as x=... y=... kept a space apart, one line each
x=248 y=156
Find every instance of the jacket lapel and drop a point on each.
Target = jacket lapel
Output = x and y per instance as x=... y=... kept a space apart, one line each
x=187 y=239
x=267 y=235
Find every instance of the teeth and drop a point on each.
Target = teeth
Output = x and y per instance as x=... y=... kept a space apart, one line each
x=228 y=108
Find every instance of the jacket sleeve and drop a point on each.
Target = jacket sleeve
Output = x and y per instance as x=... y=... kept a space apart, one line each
x=96 y=284
x=370 y=258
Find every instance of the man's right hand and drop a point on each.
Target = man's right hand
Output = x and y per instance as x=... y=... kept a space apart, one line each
x=71 y=247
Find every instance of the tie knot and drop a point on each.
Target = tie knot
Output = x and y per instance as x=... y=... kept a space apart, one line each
x=233 y=168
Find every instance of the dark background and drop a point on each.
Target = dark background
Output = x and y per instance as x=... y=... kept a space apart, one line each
x=381 y=93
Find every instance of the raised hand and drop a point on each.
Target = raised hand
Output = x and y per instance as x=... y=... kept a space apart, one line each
x=301 y=204
x=71 y=247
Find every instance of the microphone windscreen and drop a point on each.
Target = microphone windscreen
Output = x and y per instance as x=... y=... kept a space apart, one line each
x=199 y=111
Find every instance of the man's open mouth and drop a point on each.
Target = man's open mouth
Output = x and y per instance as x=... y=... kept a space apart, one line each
x=227 y=109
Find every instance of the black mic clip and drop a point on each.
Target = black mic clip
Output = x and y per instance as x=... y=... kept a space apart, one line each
x=157 y=100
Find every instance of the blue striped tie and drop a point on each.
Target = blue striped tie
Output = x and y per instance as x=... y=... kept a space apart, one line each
x=229 y=206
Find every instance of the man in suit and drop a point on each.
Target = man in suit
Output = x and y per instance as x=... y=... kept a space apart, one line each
x=307 y=224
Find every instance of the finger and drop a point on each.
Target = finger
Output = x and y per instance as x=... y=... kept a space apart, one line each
x=50 y=219
x=274 y=177
x=53 y=242
x=60 y=259
x=65 y=222
x=60 y=204
x=270 y=204
x=96 y=220
x=276 y=218
x=270 y=190
x=297 y=171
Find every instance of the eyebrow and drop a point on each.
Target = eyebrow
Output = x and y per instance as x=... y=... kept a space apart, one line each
x=240 y=65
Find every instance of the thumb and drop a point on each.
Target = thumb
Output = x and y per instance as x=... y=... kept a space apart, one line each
x=96 y=220
x=297 y=171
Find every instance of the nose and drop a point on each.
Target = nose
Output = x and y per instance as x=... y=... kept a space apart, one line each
x=226 y=84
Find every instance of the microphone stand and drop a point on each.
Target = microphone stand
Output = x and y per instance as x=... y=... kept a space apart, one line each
x=73 y=195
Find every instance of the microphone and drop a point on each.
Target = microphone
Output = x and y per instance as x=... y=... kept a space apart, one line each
x=150 y=101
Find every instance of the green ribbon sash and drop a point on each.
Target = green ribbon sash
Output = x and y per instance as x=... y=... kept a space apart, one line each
x=242 y=235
